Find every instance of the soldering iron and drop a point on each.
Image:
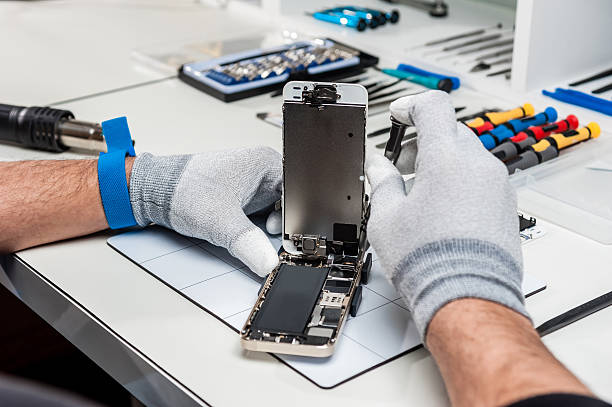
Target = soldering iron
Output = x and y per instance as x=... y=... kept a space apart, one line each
x=49 y=129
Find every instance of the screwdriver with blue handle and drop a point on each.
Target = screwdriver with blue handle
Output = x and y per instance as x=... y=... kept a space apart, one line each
x=519 y=143
x=445 y=84
x=498 y=118
x=549 y=147
x=506 y=130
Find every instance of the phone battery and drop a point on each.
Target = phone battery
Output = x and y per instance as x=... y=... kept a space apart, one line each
x=291 y=299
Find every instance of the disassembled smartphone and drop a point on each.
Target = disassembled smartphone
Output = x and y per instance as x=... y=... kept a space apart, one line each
x=304 y=302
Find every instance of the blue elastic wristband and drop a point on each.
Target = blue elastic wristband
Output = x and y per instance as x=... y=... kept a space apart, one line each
x=111 y=174
x=114 y=190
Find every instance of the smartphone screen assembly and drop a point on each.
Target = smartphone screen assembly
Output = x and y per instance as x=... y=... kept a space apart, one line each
x=304 y=302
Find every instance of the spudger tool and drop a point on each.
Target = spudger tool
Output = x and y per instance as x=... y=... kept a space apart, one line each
x=600 y=75
x=578 y=98
x=575 y=314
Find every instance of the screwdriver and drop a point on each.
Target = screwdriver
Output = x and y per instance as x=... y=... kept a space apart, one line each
x=506 y=130
x=49 y=129
x=482 y=129
x=483 y=66
x=549 y=147
x=498 y=118
x=445 y=84
x=519 y=143
x=359 y=24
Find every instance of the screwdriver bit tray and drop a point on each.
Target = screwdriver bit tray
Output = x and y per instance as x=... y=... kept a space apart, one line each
x=250 y=73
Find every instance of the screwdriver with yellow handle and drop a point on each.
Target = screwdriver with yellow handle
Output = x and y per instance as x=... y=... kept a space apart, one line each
x=501 y=117
x=549 y=147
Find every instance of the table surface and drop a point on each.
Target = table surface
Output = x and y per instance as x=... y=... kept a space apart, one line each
x=88 y=68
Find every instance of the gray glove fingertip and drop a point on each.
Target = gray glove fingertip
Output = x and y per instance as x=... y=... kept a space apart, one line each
x=254 y=249
x=274 y=223
x=384 y=177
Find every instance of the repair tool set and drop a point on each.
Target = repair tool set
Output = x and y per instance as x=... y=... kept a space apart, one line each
x=523 y=140
x=241 y=75
x=358 y=18
x=487 y=50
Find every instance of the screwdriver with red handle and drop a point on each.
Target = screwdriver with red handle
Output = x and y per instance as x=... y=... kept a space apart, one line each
x=482 y=129
x=517 y=144
x=549 y=147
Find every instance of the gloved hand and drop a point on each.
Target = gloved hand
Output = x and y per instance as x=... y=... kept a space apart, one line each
x=209 y=195
x=454 y=232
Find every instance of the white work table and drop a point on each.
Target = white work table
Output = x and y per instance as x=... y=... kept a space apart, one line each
x=159 y=345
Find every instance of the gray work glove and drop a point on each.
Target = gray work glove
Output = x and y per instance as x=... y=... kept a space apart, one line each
x=209 y=195
x=454 y=232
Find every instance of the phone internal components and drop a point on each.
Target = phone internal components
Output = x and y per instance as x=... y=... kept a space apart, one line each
x=291 y=299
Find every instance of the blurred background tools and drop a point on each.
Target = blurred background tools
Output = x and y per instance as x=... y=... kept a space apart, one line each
x=549 y=147
x=49 y=129
x=250 y=73
x=358 y=18
x=436 y=8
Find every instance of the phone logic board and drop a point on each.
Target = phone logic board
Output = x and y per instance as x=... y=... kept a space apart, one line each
x=305 y=301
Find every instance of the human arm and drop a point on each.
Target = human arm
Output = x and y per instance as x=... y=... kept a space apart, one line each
x=449 y=243
x=207 y=196
x=46 y=201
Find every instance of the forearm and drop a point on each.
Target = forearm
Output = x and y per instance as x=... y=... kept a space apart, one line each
x=490 y=355
x=45 y=201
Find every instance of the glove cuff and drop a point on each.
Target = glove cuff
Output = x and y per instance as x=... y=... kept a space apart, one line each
x=152 y=184
x=440 y=272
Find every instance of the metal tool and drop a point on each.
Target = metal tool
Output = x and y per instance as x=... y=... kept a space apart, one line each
x=549 y=147
x=494 y=54
x=472 y=42
x=46 y=128
x=602 y=89
x=483 y=66
x=508 y=41
x=503 y=71
x=436 y=8
x=458 y=36
x=600 y=75
x=394 y=144
x=387 y=94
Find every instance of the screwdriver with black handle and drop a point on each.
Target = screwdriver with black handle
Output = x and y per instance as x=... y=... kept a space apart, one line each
x=49 y=129
x=517 y=144
x=497 y=118
x=504 y=131
x=549 y=147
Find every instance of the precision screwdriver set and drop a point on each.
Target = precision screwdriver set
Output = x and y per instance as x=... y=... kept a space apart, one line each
x=358 y=18
x=238 y=76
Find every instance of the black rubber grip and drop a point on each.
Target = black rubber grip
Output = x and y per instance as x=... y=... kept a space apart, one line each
x=34 y=127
